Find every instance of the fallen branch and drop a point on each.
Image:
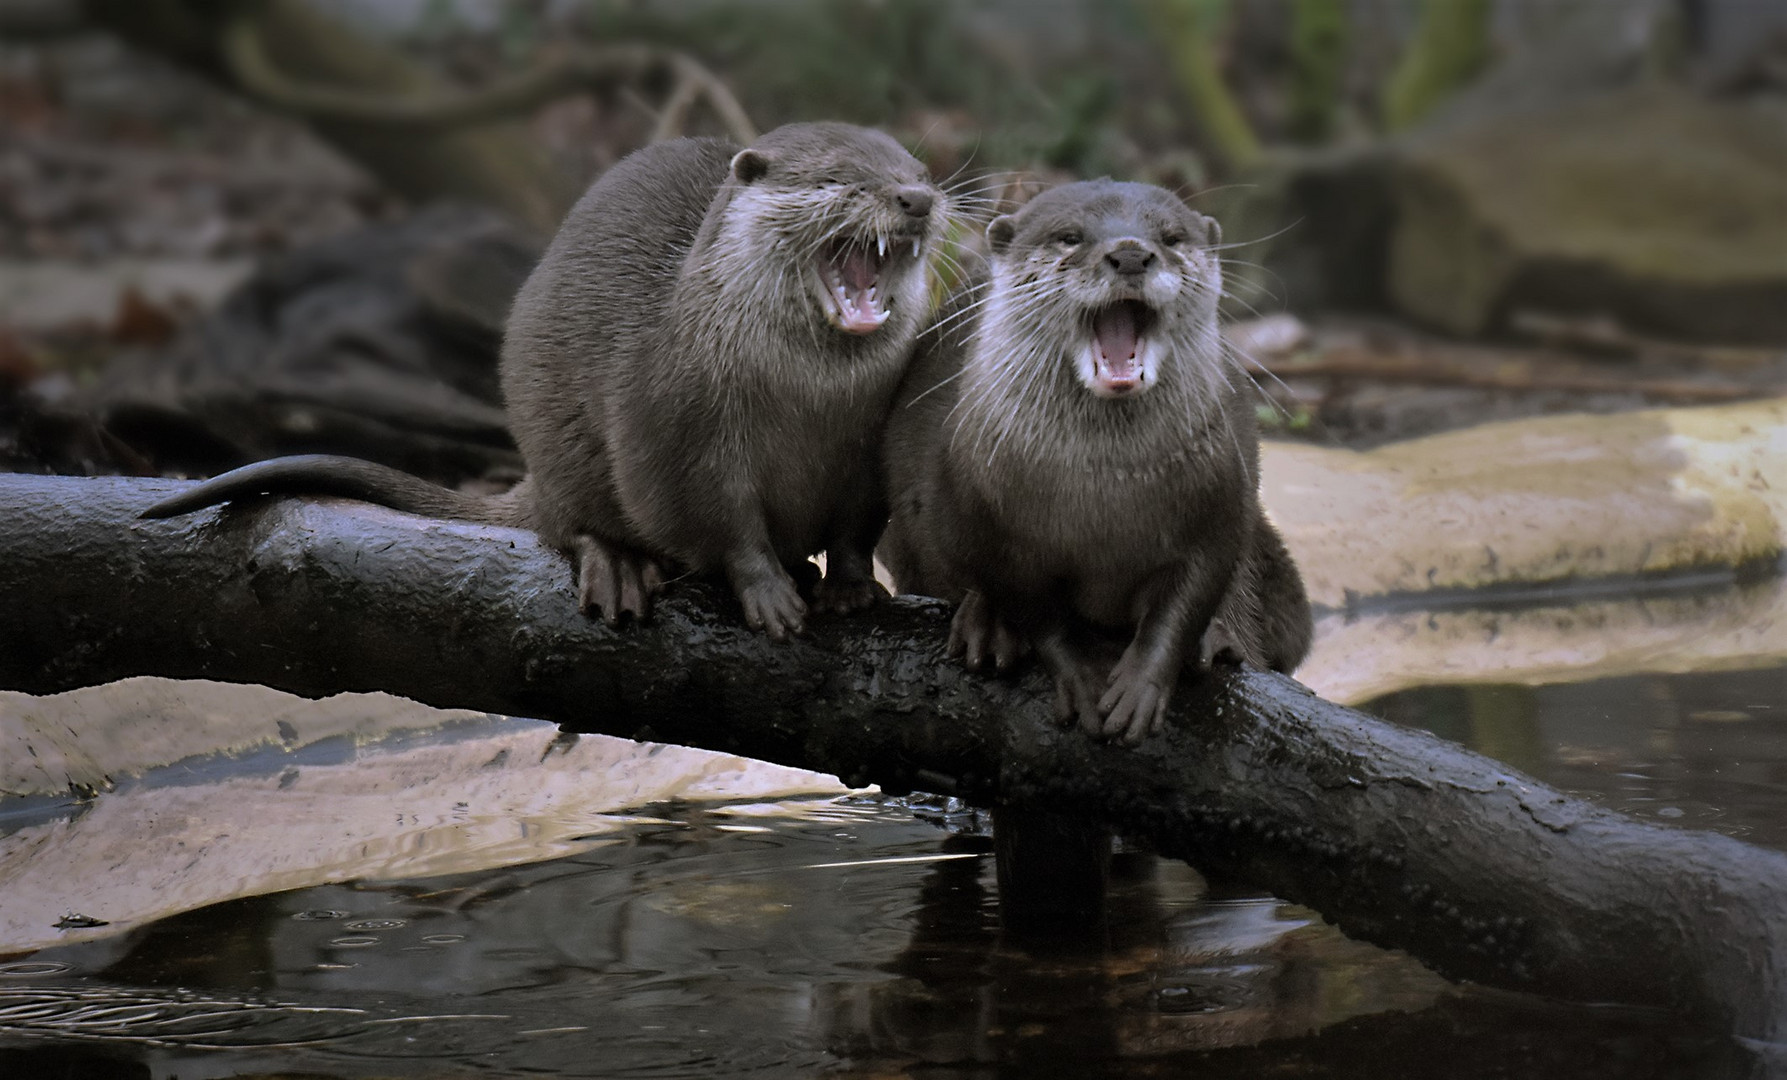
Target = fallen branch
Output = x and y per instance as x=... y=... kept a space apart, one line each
x=1403 y=839
x=570 y=71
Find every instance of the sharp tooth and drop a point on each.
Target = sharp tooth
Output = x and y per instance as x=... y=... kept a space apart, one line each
x=881 y=243
x=915 y=249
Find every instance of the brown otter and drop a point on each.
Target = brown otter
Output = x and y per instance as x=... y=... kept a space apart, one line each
x=1073 y=452
x=697 y=373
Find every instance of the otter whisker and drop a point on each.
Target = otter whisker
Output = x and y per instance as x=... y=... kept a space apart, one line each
x=1247 y=364
x=934 y=387
x=1201 y=192
x=1237 y=298
x=963 y=167
x=1257 y=240
x=962 y=313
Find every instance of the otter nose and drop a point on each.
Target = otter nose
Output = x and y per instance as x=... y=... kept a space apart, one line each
x=1130 y=261
x=915 y=201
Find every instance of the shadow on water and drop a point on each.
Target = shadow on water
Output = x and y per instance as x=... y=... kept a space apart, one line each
x=847 y=937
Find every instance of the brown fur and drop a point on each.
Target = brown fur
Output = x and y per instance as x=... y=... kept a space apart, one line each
x=1055 y=514
x=682 y=396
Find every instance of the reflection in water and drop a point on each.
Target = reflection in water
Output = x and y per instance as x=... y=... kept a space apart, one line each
x=493 y=915
x=844 y=937
x=1703 y=751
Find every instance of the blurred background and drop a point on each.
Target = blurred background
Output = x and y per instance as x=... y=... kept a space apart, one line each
x=236 y=228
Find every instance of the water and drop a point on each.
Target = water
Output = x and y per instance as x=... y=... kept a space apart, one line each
x=846 y=937
x=859 y=937
x=1702 y=751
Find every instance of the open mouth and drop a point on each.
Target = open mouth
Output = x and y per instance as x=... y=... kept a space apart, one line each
x=851 y=276
x=1119 y=342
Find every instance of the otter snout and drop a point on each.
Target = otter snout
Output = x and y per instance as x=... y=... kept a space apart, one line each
x=1130 y=259
x=915 y=200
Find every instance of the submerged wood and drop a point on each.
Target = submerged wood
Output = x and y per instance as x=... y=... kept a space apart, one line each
x=1401 y=838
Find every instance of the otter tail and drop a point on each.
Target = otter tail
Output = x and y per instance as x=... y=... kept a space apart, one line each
x=325 y=474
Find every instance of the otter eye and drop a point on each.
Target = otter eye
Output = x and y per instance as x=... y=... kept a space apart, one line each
x=1070 y=238
x=1173 y=239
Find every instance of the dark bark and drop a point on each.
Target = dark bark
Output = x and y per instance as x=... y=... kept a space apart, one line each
x=1400 y=837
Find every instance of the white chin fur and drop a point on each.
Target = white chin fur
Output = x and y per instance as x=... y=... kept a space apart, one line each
x=1086 y=364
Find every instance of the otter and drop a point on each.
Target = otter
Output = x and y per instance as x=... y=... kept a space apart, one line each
x=1072 y=459
x=697 y=373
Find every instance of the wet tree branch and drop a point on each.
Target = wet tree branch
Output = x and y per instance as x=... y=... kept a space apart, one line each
x=1400 y=837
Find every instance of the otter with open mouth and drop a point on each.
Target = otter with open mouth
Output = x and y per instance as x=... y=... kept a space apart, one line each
x=1074 y=459
x=697 y=373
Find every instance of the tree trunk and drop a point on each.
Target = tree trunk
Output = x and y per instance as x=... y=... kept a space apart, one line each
x=1400 y=837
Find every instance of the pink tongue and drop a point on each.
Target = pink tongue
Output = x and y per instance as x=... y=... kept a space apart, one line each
x=1115 y=331
x=856 y=269
x=858 y=273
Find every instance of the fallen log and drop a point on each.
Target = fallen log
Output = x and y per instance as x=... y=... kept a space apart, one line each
x=1401 y=838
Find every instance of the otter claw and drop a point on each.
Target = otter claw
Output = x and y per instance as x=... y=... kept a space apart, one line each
x=1132 y=711
x=775 y=608
x=977 y=634
x=1135 y=703
x=841 y=594
x=613 y=582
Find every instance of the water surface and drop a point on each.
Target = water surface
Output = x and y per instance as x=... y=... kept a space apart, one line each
x=846 y=936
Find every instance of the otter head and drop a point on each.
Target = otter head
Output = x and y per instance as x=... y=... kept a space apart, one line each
x=1122 y=277
x=854 y=213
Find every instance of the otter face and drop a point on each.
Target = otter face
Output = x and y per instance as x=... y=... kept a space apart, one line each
x=856 y=213
x=1122 y=275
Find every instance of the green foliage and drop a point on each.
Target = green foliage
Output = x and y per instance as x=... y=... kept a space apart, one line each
x=1186 y=30
x=889 y=62
x=858 y=60
x=1450 y=47
x=1085 y=105
x=1318 y=62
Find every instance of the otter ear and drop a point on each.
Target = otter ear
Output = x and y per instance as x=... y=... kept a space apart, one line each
x=1212 y=232
x=749 y=165
x=1000 y=232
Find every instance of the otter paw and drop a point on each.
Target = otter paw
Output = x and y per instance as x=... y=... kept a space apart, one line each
x=612 y=581
x=774 y=606
x=1135 y=704
x=841 y=594
x=977 y=635
x=1132 y=709
x=1076 y=698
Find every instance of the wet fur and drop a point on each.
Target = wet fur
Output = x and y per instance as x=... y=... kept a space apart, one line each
x=677 y=393
x=1062 y=517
